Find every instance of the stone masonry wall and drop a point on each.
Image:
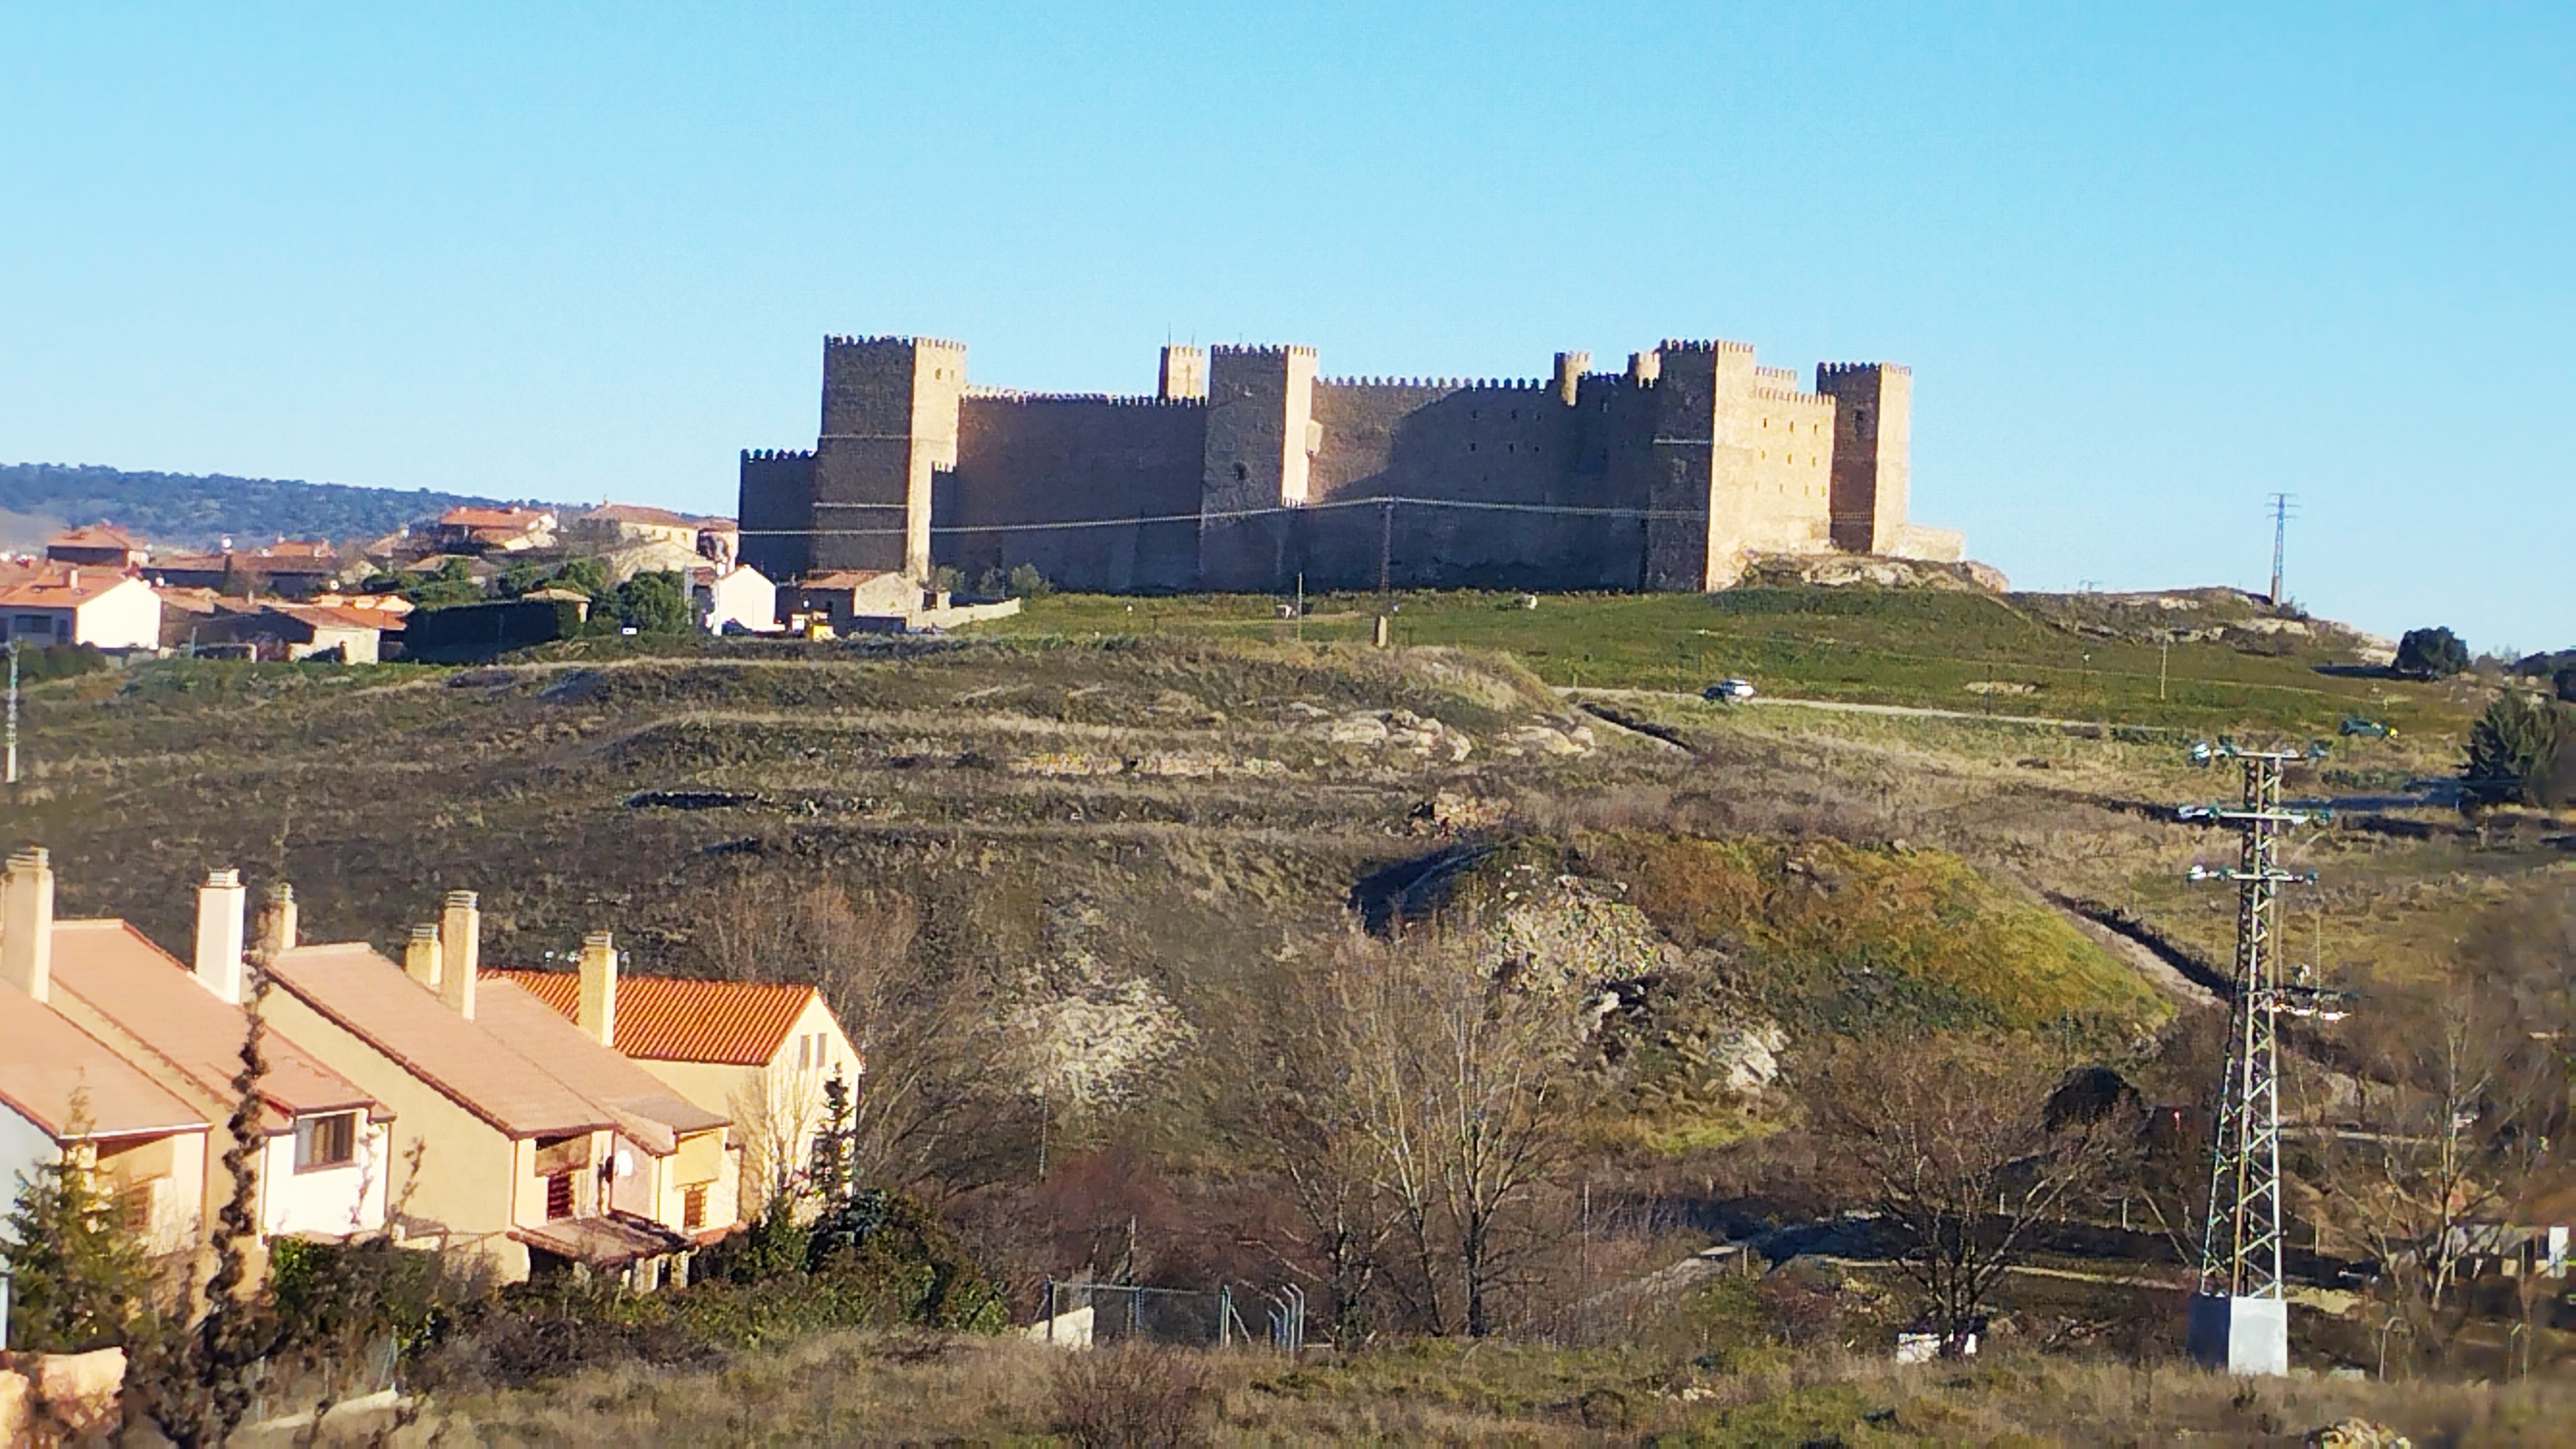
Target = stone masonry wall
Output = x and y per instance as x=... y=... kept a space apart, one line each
x=1041 y=460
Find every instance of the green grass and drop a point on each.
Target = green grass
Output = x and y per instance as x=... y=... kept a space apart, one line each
x=1859 y=645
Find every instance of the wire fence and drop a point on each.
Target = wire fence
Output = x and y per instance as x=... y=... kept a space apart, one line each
x=1082 y=1313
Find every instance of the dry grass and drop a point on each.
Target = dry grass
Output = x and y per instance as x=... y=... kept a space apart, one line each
x=862 y=1390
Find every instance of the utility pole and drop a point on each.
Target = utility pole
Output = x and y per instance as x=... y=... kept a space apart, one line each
x=13 y=711
x=2239 y=1320
x=2281 y=510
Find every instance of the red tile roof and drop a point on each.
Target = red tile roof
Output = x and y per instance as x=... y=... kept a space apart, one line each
x=56 y=585
x=676 y=1019
x=100 y=535
x=513 y=519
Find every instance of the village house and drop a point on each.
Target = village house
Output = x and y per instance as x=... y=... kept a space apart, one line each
x=278 y=630
x=290 y=568
x=740 y=597
x=507 y=529
x=322 y=1168
x=65 y=1093
x=856 y=600
x=102 y=545
x=520 y=1139
x=758 y=1052
x=57 y=603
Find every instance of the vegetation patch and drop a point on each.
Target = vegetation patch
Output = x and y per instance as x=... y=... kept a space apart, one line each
x=1844 y=938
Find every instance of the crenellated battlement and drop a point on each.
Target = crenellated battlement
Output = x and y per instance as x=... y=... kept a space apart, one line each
x=1264 y=349
x=776 y=455
x=1442 y=384
x=1112 y=399
x=924 y=344
x=1794 y=396
x=1861 y=369
x=1708 y=344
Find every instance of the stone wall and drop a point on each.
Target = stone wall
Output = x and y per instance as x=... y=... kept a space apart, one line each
x=777 y=512
x=1043 y=460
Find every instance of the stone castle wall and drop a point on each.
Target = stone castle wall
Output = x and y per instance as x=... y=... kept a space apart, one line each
x=1246 y=470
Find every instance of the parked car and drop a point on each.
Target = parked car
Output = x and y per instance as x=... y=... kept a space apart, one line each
x=1726 y=689
x=2369 y=729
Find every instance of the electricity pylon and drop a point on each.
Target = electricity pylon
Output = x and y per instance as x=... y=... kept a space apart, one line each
x=2238 y=1318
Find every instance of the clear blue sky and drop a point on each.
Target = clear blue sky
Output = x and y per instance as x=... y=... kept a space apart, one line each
x=2148 y=263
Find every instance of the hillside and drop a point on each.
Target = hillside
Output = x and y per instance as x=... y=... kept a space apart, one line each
x=199 y=511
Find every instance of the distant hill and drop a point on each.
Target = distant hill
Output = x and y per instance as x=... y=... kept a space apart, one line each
x=199 y=511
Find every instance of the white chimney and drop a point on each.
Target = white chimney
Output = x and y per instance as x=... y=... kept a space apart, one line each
x=27 y=923
x=460 y=945
x=597 y=1013
x=277 y=921
x=420 y=956
x=219 y=934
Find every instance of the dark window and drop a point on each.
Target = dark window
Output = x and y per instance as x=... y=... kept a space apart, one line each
x=1241 y=473
x=330 y=1141
x=693 y=1207
x=559 y=1196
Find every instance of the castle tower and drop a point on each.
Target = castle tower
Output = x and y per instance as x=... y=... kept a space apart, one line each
x=776 y=509
x=1261 y=437
x=1569 y=375
x=1873 y=424
x=1696 y=486
x=1183 y=376
x=889 y=423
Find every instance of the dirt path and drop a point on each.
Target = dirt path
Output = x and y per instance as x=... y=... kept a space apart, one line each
x=1916 y=711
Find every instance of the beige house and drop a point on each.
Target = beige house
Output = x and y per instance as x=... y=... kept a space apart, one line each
x=741 y=596
x=56 y=603
x=322 y=1168
x=519 y=1138
x=65 y=1092
x=758 y=1052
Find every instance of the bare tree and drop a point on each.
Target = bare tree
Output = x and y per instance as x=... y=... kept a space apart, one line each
x=1964 y=1145
x=920 y=1077
x=1436 y=1105
x=2452 y=1128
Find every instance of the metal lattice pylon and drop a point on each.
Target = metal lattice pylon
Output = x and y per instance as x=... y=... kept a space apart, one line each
x=2240 y=1249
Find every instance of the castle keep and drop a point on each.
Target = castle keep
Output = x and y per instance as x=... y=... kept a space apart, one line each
x=1246 y=469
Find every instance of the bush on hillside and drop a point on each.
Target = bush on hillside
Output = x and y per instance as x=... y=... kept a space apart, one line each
x=651 y=603
x=58 y=661
x=2434 y=653
x=2521 y=751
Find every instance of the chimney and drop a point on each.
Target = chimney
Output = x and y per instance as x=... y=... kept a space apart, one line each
x=597 y=1014
x=277 y=921
x=420 y=956
x=27 y=923
x=460 y=945
x=219 y=934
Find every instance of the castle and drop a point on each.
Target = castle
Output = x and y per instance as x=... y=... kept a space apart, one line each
x=1247 y=470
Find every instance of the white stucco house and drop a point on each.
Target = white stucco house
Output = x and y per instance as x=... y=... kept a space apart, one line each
x=57 y=603
x=741 y=595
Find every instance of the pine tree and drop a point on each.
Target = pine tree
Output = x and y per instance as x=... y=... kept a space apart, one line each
x=78 y=1278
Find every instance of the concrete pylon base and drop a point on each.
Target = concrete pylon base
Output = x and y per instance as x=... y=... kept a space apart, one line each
x=2240 y=1335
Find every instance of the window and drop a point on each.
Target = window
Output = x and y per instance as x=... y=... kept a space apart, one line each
x=804 y=1052
x=134 y=1208
x=330 y=1141
x=559 y=1197
x=693 y=1208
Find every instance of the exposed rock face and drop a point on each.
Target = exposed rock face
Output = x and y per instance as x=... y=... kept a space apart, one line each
x=1843 y=570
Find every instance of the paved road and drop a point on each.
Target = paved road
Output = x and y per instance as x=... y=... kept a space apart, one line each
x=1846 y=707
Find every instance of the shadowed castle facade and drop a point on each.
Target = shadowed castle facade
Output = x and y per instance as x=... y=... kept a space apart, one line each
x=1245 y=469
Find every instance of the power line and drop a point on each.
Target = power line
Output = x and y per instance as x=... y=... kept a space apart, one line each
x=1388 y=503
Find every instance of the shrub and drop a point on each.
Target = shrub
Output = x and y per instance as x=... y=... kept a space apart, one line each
x=78 y=1280
x=1027 y=583
x=2520 y=750
x=58 y=661
x=2434 y=653
x=1133 y=1396
x=654 y=603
